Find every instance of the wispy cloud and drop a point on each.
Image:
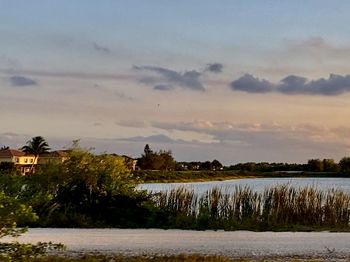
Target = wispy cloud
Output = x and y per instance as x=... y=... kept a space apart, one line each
x=249 y=141
x=156 y=139
x=249 y=133
x=70 y=74
x=19 y=80
x=215 y=68
x=131 y=123
x=101 y=48
x=334 y=85
x=167 y=79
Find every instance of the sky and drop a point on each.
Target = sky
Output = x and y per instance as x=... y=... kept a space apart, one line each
x=236 y=81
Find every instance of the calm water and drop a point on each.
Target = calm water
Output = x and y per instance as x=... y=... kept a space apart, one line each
x=257 y=184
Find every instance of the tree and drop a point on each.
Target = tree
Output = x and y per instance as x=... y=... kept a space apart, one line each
x=216 y=165
x=147 y=150
x=206 y=165
x=4 y=148
x=12 y=212
x=36 y=146
x=97 y=190
x=330 y=166
x=162 y=160
x=315 y=165
x=344 y=164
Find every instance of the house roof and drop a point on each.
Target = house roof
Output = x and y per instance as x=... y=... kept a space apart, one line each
x=11 y=153
x=58 y=153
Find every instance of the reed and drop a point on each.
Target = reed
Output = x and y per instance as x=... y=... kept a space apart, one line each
x=280 y=207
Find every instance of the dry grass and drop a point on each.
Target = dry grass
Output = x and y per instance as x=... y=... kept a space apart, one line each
x=280 y=207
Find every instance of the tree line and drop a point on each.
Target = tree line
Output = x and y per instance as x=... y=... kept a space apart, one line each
x=164 y=160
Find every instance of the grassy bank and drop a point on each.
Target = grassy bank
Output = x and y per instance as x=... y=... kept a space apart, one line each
x=281 y=208
x=153 y=176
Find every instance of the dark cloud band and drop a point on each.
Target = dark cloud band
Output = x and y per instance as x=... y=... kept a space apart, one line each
x=168 y=79
x=18 y=80
x=188 y=79
x=334 y=85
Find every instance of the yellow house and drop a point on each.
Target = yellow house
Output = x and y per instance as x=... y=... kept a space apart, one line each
x=22 y=161
x=25 y=162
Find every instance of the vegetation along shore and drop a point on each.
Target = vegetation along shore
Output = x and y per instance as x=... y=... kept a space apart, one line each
x=89 y=190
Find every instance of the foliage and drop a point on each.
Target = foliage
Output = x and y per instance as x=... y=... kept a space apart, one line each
x=344 y=164
x=330 y=166
x=196 y=165
x=11 y=212
x=7 y=167
x=161 y=160
x=15 y=251
x=315 y=165
x=36 y=146
x=267 y=167
x=94 y=190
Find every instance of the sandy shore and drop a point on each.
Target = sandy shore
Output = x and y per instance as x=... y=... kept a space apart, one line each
x=171 y=242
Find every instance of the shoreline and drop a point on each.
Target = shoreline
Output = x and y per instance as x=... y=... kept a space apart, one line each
x=153 y=177
x=234 y=245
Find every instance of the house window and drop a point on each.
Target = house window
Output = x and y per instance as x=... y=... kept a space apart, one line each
x=17 y=159
x=26 y=160
x=31 y=160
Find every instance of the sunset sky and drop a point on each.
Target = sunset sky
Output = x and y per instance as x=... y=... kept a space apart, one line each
x=236 y=81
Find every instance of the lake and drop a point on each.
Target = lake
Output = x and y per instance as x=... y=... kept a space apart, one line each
x=257 y=184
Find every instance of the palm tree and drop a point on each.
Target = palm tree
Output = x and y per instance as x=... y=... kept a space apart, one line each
x=36 y=146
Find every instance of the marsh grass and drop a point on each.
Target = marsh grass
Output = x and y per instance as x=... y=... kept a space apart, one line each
x=276 y=208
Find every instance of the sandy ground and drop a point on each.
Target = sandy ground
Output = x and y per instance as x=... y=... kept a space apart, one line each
x=230 y=244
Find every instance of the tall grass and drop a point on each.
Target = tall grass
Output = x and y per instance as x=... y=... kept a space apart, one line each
x=276 y=208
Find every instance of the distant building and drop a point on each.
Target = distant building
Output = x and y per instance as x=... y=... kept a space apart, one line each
x=58 y=156
x=24 y=163
x=130 y=162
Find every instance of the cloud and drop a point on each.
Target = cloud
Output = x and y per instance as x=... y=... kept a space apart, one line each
x=251 y=84
x=214 y=68
x=131 y=123
x=18 y=80
x=314 y=42
x=123 y=96
x=163 y=87
x=12 y=63
x=187 y=79
x=226 y=131
x=334 y=85
x=100 y=48
x=72 y=75
x=263 y=135
x=157 y=139
x=250 y=141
